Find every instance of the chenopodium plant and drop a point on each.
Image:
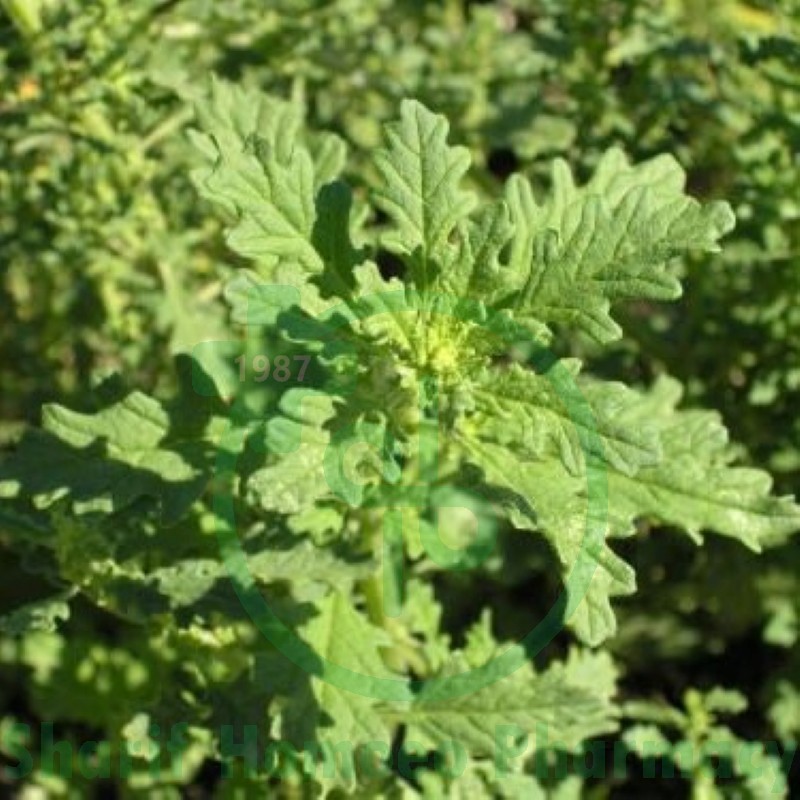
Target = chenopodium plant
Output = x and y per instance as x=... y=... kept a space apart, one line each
x=372 y=444
x=701 y=738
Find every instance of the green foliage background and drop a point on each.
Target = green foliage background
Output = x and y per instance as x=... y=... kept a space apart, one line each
x=113 y=265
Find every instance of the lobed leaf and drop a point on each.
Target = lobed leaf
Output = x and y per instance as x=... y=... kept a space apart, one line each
x=586 y=247
x=421 y=189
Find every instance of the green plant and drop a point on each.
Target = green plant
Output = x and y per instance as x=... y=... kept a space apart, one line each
x=701 y=738
x=377 y=451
